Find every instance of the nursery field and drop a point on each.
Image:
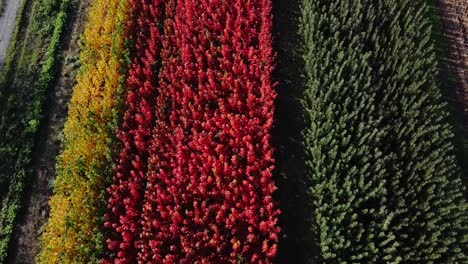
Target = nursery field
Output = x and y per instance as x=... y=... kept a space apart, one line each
x=209 y=131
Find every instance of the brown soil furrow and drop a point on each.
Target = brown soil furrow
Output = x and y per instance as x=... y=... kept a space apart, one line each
x=455 y=18
x=36 y=213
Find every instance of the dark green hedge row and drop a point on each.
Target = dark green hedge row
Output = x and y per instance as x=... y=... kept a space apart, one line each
x=23 y=90
x=384 y=182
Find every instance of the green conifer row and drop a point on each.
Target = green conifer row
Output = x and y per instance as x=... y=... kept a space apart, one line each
x=385 y=185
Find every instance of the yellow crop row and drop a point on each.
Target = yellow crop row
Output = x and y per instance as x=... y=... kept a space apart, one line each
x=74 y=231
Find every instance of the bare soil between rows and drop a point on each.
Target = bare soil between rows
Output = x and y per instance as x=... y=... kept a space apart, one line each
x=455 y=20
x=36 y=210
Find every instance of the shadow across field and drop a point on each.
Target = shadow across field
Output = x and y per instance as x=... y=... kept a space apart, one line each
x=297 y=243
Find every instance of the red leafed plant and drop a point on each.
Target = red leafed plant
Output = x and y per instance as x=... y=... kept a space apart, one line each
x=209 y=193
x=126 y=192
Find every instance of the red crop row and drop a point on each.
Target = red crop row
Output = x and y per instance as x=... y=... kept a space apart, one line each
x=201 y=191
x=210 y=190
x=126 y=192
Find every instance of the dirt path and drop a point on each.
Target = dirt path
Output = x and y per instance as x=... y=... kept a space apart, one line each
x=31 y=223
x=7 y=26
x=455 y=17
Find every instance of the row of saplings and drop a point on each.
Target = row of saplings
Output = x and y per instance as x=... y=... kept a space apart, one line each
x=191 y=97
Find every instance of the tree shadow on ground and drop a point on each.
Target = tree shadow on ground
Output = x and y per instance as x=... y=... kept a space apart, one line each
x=297 y=242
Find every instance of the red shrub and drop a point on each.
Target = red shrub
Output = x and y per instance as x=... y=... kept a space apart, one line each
x=210 y=186
x=126 y=193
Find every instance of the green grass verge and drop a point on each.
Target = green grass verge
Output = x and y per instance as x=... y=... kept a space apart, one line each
x=28 y=73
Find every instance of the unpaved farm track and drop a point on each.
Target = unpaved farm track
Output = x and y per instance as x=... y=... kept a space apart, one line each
x=36 y=208
x=7 y=26
x=455 y=17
